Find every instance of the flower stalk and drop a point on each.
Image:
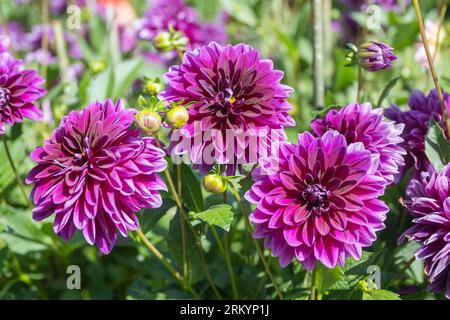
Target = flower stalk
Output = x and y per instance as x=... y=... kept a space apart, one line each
x=258 y=248
x=16 y=173
x=431 y=63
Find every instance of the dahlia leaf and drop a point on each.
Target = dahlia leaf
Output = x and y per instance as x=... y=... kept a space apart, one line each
x=20 y=232
x=150 y=217
x=192 y=191
x=101 y=86
x=326 y=278
x=379 y=294
x=125 y=73
x=220 y=215
x=391 y=84
x=437 y=148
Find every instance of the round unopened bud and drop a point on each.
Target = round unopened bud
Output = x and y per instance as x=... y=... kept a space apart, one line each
x=153 y=87
x=177 y=117
x=215 y=183
x=149 y=122
x=163 y=41
x=97 y=66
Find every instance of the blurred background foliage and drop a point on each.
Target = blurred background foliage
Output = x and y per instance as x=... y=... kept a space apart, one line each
x=33 y=261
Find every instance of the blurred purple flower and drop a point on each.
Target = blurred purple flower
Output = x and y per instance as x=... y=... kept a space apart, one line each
x=16 y=36
x=428 y=201
x=165 y=13
x=376 y=56
x=361 y=123
x=40 y=55
x=19 y=89
x=95 y=173
x=320 y=203
x=230 y=88
x=416 y=121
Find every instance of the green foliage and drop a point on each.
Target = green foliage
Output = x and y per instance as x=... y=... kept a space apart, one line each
x=220 y=215
x=437 y=147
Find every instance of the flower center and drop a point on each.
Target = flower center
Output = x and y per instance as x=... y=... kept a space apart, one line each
x=85 y=152
x=4 y=97
x=315 y=196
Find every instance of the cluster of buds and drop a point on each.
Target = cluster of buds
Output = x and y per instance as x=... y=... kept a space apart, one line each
x=170 y=40
x=372 y=56
x=148 y=119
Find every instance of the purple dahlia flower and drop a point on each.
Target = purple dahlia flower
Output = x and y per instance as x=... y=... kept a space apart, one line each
x=361 y=123
x=95 y=173
x=235 y=96
x=428 y=201
x=376 y=56
x=165 y=13
x=416 y=121
x=19 y=89
x=320 y=202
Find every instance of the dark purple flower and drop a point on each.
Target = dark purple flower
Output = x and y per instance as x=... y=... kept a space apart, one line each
x=95 y=173
x=428 y=201
x=361 y=123
x=19 y=89
x=376 y=56
x=231 y=90
x=416 y=121
x=174 y=13
x=318 y=201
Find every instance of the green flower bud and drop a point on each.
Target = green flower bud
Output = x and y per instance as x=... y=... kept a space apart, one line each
x=215 y=183
x=177 y=117
x=153 y=87
x=149 y=122
x=163 y=41
x=97 y=66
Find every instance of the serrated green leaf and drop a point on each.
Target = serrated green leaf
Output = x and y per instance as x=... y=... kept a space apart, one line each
x=391 y=84
x=380 y=294
x=437 y=147
x=220 y=215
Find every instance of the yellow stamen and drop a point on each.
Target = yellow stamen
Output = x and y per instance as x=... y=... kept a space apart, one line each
x=232 y=100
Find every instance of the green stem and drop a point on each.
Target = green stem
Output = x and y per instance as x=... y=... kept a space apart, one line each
x=16 y=173
x=183 y=229
x=188 y=223
x=44 y=42
x=360 y=83
x=312 y=294
x=165 y=262
x=318 y=46
x=403 y=270
x=442 y=11
x=258 y=248
x=431 y=63
x=227 y=258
